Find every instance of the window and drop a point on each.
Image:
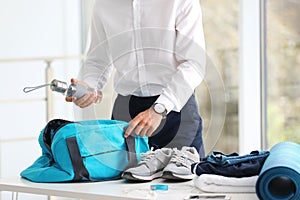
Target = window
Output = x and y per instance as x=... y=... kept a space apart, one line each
x=283 y=59
x=220 y=19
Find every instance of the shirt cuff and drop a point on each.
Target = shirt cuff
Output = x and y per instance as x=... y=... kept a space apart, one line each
x=163 y=99
x=93 y=83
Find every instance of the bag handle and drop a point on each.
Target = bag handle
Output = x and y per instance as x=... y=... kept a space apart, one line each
x=80 y=170
x=132 y=159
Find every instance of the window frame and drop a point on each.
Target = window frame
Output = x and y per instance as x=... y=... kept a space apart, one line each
x=252 y=80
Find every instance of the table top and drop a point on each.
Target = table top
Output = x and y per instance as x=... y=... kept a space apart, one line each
x=113 y=190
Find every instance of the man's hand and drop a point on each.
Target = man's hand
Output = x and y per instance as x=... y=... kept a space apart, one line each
x=87 y=99
x=144 y=123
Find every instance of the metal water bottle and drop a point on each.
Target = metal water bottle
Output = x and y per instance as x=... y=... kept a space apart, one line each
x=72 y=90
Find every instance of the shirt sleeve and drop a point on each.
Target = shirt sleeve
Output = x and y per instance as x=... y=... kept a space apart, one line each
x=97 y=65
x=190 y=52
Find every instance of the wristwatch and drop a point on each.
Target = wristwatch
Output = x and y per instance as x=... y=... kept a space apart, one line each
x=160 y=109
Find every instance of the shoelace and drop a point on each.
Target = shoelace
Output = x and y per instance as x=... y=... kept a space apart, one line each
x=146 y=157
x=179 y=158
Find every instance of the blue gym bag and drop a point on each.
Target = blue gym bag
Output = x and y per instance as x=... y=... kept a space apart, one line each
x=93 y=150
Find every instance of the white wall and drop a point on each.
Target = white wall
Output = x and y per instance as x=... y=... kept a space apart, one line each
x=31 y=29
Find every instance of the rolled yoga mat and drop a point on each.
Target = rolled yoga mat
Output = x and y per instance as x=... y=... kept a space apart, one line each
x=279 y=178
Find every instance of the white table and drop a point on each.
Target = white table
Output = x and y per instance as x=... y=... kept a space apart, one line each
x=109 y=190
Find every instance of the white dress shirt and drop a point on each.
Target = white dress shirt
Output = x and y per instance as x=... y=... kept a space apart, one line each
x=156 y=46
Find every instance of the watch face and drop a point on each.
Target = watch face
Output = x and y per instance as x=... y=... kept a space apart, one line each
x=159 y=108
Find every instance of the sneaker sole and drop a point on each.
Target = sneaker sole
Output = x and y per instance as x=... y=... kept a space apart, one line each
x=172 y=176
x=134 y=177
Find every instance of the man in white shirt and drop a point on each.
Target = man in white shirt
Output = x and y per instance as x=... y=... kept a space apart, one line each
x=158 y=50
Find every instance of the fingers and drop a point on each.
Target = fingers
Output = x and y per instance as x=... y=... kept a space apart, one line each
x=69 y=99
x=145 y=131
x=74 y=80
x=84 y=101
x=98 y=97
x=87 y=99
x=149 y=131
x=138 y=130
x=144 y=124
x=130 y=128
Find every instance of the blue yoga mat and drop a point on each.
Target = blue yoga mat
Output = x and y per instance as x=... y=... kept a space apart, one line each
x=279 y=179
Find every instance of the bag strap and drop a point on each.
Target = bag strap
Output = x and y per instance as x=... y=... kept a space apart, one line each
x=80 y=170
x=132 y=159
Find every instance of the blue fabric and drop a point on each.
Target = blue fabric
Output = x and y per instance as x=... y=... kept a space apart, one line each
x=234 y=158
x=102 y=149
x=231 y=165
x=279 y=178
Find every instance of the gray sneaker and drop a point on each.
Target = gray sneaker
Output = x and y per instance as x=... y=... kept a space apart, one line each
x=179 y=167
x=150 y=167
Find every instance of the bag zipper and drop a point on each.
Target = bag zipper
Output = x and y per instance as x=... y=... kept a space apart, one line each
x=96 y=154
